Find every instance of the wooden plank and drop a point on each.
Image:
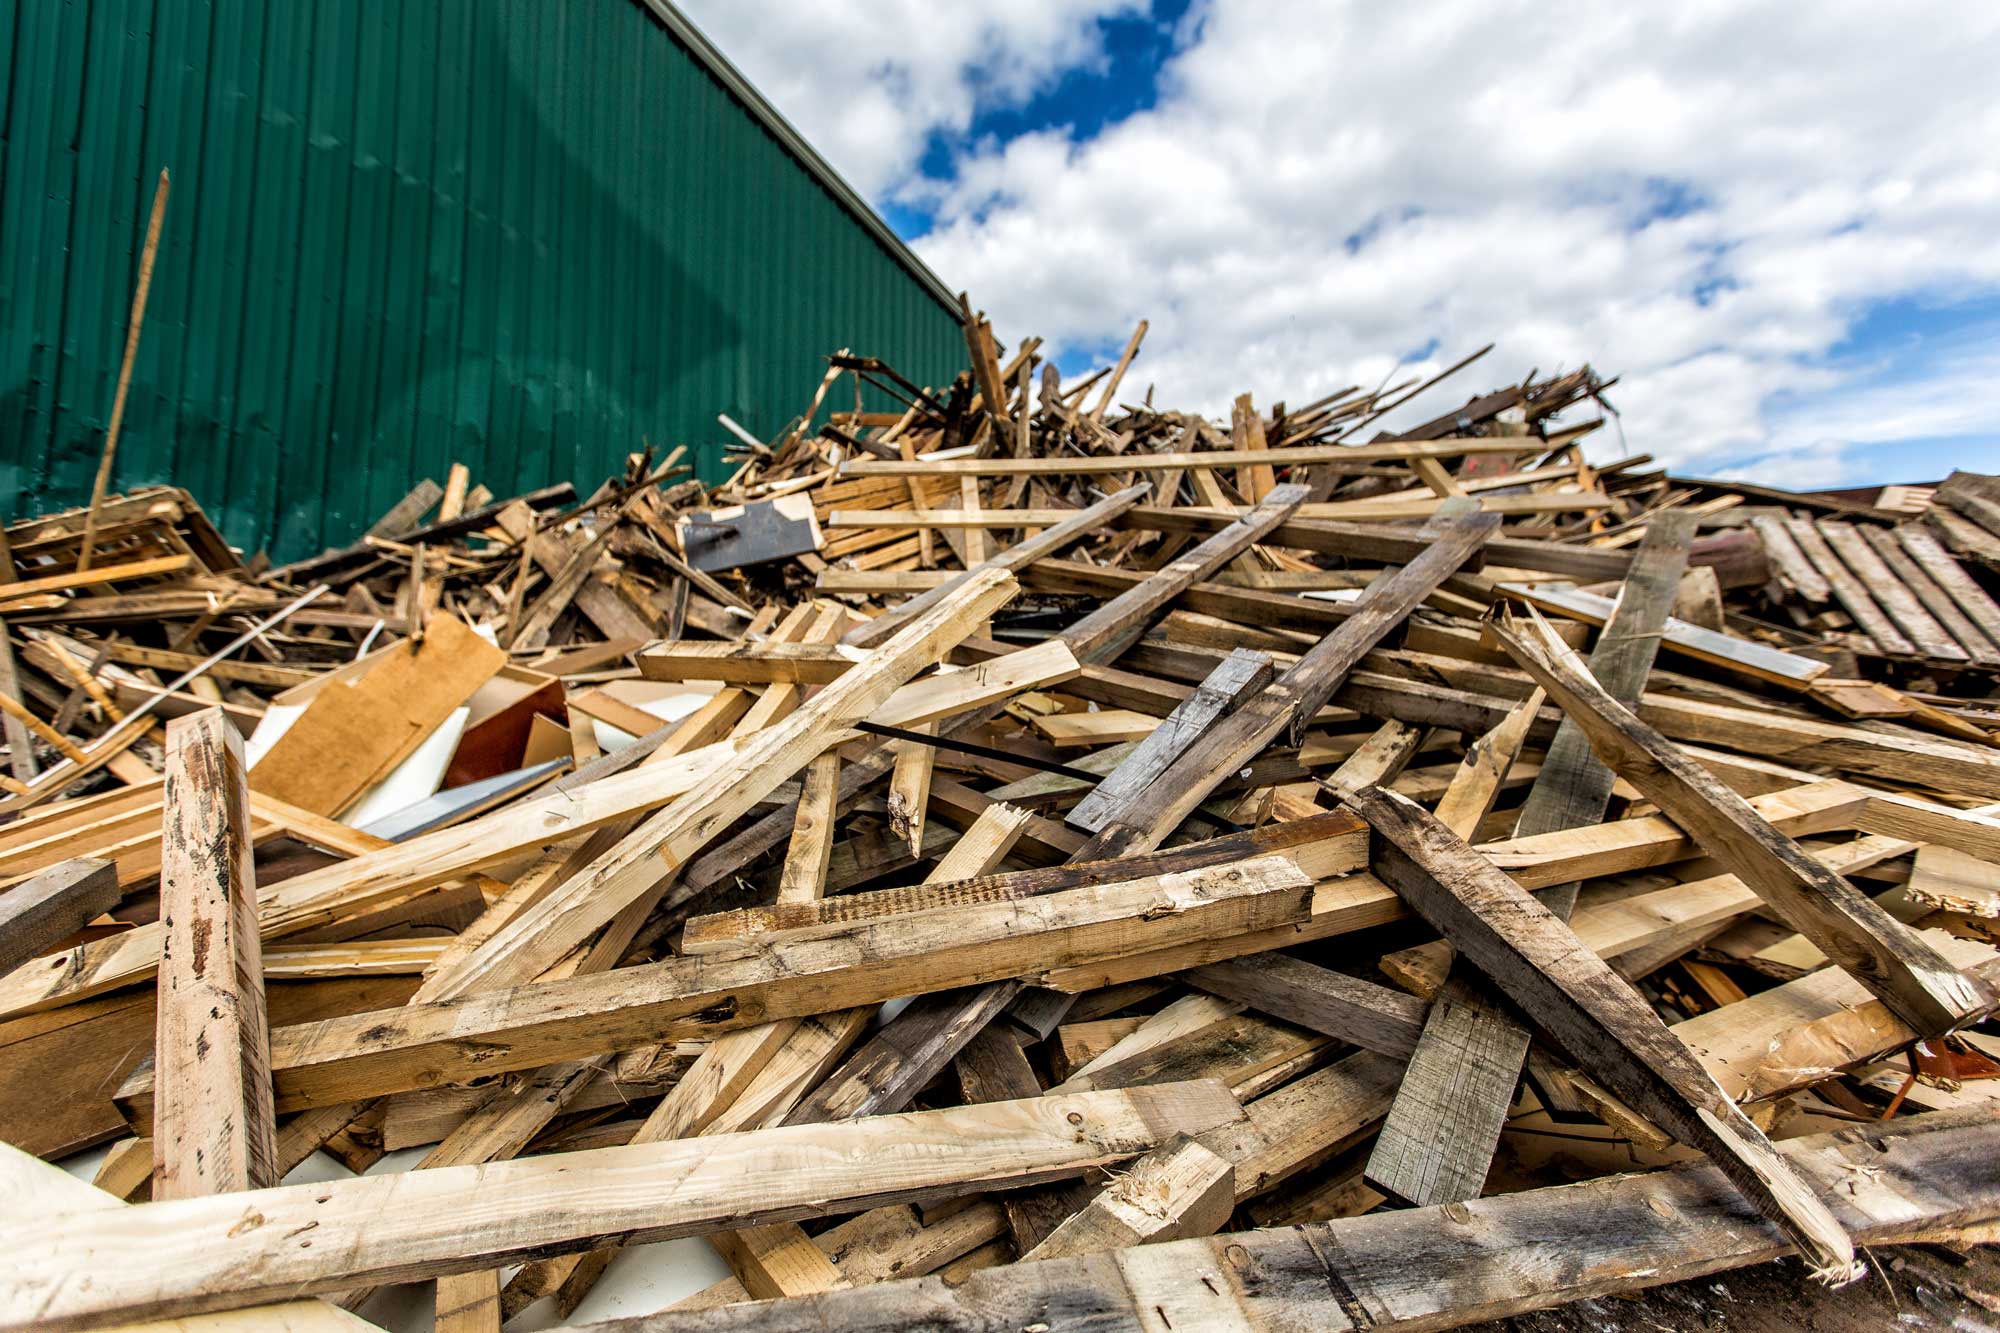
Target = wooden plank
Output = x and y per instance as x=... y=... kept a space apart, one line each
x=1797 y=1034
x=31 y=1186
x=1088 y=731
x=1821 y=905
x=1948 y=879
x=1854 y=550
x=910 y=788
x=215 y=1131
x=1852 y=596
x=1179 y=1189
x=993 y=1068
x=490 y=1032
x=21 y=590
x=1168 y=462
x=1326 y=845
x=1796 y=572
x=1437 y=1143
x=1935 y=599
x=983 y=846
x=1704 y=645
x=1912 y=1179
x=1474 y=787
x=1894 y=755
x=1604 y=1024
x=1372 y=1017
x=748 y=662
x=803 y=878
x=902 y=1057
x=355 y=731
x=194 y=1255
x=877 y=1246
x=1951 y=576
x=1377 y=760
x=1233 y=680
x=48 y=908
x=1288 y=702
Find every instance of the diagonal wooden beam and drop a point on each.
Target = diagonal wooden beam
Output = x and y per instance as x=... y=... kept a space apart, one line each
x=1290 y=701
x=1881 y=952
x=1437 y=1144
x=1605 y=1025
x=194 y=1255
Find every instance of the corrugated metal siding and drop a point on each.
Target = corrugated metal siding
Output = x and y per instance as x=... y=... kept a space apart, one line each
x=518 y=234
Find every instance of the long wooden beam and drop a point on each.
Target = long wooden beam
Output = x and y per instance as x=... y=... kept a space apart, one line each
x=53 y=905
x=194 y=1255
x=1437 y=1144
x=31 y=1187
x=1172 y=462
x=1881 y=952
x=1923 y=1178
x=214 y=1131
x=1606 y=1026
x=490 y=1032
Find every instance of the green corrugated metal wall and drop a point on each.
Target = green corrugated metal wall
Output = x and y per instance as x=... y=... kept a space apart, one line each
x=520 y=234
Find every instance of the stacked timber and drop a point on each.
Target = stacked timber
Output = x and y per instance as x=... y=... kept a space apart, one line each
x=1012 y=855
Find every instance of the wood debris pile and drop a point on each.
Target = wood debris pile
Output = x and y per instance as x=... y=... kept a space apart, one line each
x=1020 y=858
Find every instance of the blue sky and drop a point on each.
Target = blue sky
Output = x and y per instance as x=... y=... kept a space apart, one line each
x=1777 y=222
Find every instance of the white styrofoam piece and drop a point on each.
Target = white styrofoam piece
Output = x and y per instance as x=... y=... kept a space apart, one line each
x=415 y=778
x=670 y=708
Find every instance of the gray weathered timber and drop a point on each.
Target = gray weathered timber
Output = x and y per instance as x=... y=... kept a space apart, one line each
x=1239 y=675
x=1437 y=1144
x=1882 y=953
x=49 y=908
x=1147 y=820
x=1372 y=1017
x=1594 y=1014
x=1911 y=1179
x=908 y=1052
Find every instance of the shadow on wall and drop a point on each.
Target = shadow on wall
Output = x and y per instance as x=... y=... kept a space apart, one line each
x=506 y=290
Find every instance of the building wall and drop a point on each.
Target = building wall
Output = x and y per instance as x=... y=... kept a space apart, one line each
x=520 y=234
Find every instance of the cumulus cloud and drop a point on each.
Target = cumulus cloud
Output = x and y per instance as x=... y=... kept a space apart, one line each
x=870 y=81
x=1701 y=198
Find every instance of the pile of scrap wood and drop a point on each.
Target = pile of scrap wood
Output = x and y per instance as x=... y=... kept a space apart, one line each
x=1022 y=858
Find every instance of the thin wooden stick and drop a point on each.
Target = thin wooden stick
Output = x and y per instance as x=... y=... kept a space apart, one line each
x=125 y=371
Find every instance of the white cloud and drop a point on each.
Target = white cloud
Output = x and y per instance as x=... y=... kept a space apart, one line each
x=1502 y=164
x=869 y=81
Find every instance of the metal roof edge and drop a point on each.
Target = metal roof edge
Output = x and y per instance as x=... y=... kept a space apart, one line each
x=684 y=31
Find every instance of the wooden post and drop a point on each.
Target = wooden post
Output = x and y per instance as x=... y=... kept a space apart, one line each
x=214 y=1130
